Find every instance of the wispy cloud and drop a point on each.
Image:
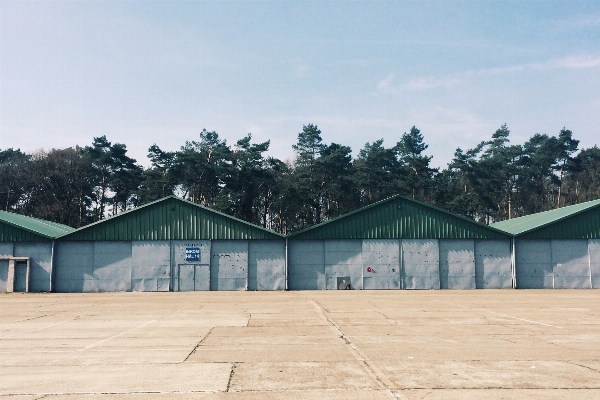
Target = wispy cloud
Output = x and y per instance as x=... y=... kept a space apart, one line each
x=433 y=83
x=579 y=62
x=571 y=62
x=388 y=85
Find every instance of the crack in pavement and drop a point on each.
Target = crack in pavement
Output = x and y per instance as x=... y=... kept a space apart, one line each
x=231 y=374
x=583 y=366
x=198 y=344
x=370 y=368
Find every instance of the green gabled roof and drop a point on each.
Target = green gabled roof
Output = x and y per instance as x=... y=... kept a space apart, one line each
x=19 y=228
x=580 y=221
x=171 y=218
x=400 y=217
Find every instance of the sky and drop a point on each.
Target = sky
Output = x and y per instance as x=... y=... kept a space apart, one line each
x=145 y=72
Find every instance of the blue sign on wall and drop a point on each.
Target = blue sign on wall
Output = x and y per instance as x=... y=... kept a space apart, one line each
x=192 y=254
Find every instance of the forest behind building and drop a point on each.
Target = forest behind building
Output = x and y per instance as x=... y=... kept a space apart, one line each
x=494 y=181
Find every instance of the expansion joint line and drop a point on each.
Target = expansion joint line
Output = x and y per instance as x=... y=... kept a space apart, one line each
x=506 y=316
x=193 y=350
x=371 y=369
x=198 y=345
x=231 y=374
x=116 y=336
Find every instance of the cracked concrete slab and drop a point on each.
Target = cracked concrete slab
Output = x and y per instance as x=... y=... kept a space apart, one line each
x=281 y=353
x=484 y=374
x=502 y=394
x=273 y=376
x=115 y=378
x=493 y=344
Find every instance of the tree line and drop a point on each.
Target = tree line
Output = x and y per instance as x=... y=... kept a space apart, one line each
x=493 y=181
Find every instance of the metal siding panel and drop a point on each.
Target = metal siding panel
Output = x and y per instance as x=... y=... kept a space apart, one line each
x=176 y=227
x=74 y=263
x=306 y=265
x=186 y=278
x=534 y=264
x=68 y=286
x=144 y=285
x=383 y=257
x=266 y=265
x=153 y=252
x=171 y=219
x=400 y=218
x=343 y=258
x=10 y=234
x=150 y=285
x=421 y=263
x=457 y=263
x=229 y=265
x=493 y=264
x=188 y=224
x=112 y=266
x=40 y=254
x=3 y=275
x=150 y=271
x=306 y=252
x=201 y=277
x=137 y=285
x=163 y=284
x=343 y=251
x=164 y=228
x=571 y=264
x=150 y=261
x=585 y=225
x=106 y=285
x=252 y=268
x=6 y=249
x=594 y=252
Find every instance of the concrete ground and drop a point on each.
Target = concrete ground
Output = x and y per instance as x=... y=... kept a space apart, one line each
x=301 y=345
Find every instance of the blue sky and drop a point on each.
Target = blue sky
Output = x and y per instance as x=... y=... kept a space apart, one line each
x=159 y=72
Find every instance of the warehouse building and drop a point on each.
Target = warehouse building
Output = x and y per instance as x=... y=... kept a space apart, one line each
x=558 y=248
x=26 y=249
x=399 y=243
x=170 y=244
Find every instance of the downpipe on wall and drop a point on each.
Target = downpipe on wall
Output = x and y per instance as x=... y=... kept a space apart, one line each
x=513 y=263
x=52 y=272
x=286 y=264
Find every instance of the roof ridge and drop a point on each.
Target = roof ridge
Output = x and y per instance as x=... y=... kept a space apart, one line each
x=166 y=198
x=389 y=199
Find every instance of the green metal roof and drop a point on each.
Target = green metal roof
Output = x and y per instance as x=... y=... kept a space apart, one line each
x=580 y=221
x=400 y=217
x=171 y=218
x=19 y=228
